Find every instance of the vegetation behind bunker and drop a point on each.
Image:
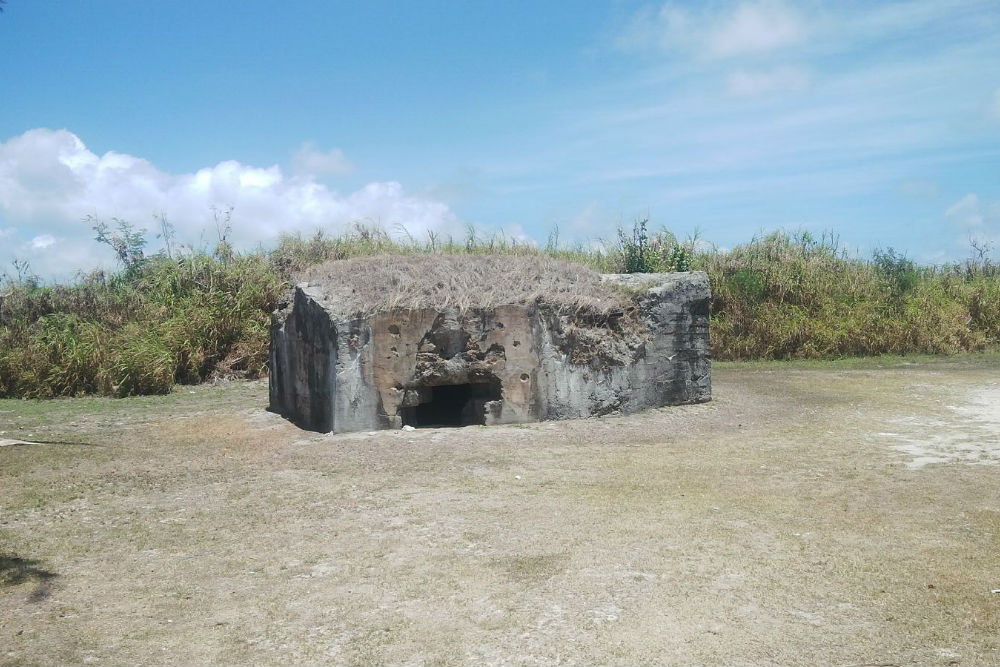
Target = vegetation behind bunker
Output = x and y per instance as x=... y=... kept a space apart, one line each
x=188 y=314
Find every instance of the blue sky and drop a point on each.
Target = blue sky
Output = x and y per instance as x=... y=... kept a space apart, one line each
x=879 y=122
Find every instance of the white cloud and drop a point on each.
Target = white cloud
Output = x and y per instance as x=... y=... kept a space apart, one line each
x=966 y=212
x=42 y=241
x=50 y=181
x=665 y=29
x=744 y=29
x=743 y=83
x=878 y=21
x=976 y=220
x=586 y=221
x=755 y=27
x=310 y=161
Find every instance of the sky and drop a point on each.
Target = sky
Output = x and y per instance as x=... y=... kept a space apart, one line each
x=878 y=122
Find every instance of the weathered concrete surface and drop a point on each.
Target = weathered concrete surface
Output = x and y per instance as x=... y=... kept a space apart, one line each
x=509 y=364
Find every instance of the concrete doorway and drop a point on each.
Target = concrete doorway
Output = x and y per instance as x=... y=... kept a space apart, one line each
x=453 y=405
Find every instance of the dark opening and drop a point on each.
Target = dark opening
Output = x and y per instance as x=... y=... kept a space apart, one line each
x=453 y=405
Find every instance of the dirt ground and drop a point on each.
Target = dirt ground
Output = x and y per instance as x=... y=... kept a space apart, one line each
x=836 y=515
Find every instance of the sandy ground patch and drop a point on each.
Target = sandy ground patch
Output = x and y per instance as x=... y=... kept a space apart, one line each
x=949 y=425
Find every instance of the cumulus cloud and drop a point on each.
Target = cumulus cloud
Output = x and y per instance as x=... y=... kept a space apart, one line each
x=50 y=181
x=310 y=161
x=743 y=29
x=743 y=83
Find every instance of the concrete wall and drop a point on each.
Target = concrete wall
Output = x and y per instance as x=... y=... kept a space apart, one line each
x=341 y=375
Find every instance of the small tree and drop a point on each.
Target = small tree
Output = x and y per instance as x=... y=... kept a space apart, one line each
x=166 y=234
x=223 y=228
x=128 y=242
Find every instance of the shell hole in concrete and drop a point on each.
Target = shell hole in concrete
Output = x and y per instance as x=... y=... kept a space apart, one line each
x=453 y=405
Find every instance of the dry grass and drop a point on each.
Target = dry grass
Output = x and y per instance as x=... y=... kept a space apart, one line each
x=367 y=285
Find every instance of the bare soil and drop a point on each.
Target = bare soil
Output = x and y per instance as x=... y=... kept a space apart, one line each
x=806 y=515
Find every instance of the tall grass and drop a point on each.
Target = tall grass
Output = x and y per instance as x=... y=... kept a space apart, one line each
x=138 y=332
x=785 y=296
x=186 y=315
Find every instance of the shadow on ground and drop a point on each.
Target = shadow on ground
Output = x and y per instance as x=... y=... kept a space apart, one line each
x=15 y=570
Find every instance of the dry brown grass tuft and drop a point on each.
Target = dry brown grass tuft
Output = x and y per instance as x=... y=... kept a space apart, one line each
x=367 y=285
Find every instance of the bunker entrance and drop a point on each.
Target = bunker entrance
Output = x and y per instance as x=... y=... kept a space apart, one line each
x=453 y=405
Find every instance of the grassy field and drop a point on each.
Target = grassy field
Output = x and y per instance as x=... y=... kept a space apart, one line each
x=808 y=514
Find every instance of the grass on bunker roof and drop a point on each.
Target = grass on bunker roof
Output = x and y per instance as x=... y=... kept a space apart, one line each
x=368 y=285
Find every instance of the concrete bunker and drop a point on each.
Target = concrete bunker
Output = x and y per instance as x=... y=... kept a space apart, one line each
x=441 y=340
